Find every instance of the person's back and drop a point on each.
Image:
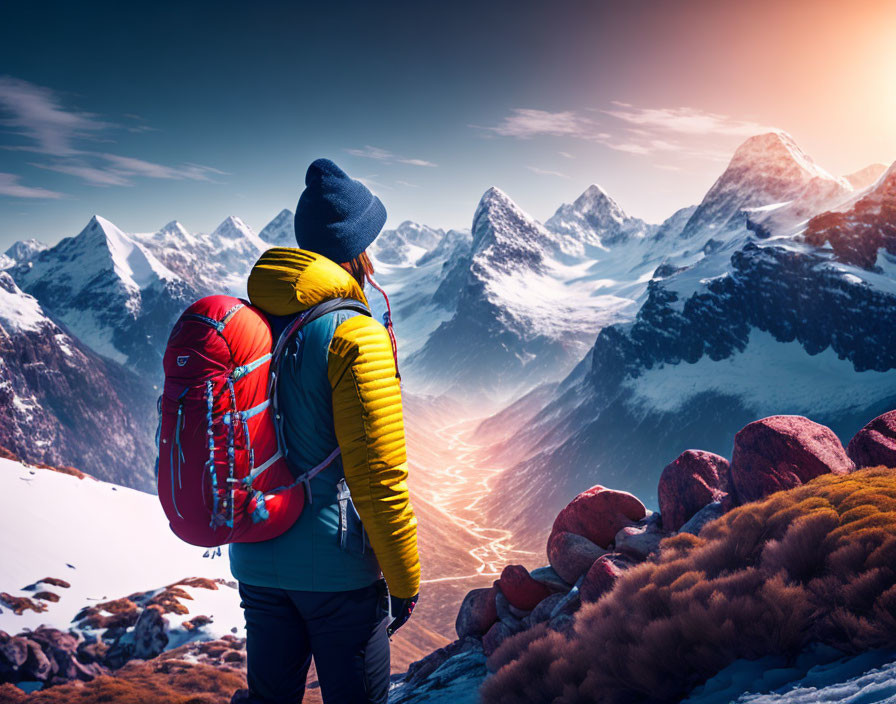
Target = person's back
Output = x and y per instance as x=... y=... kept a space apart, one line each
x=316 y=589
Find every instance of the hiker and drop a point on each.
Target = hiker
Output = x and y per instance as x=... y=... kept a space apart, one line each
x=346 y=575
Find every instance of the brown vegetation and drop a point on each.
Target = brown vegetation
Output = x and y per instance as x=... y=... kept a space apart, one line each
x=813 y=564
x=19 y=604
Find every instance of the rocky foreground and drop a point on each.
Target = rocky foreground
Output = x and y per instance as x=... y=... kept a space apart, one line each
x=602 y=536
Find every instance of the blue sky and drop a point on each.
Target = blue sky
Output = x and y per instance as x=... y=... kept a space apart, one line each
x=145 y=113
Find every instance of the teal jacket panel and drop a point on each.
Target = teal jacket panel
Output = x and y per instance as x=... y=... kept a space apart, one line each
x=326 y=549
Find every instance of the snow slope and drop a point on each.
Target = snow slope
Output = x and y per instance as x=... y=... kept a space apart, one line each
x=107 y=541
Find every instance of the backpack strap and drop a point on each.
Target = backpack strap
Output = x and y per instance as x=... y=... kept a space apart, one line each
x=307 y=316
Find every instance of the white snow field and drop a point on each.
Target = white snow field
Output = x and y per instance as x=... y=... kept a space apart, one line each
x=108 y=542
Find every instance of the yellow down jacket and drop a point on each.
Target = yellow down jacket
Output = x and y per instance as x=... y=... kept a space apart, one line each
x=365 y=397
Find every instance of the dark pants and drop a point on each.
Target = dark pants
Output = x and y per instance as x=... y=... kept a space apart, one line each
x=344 y=631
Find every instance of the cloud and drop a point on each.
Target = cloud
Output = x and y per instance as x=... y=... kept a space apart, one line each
x=684 y=131
x=417 y=162
x=90 y=174
x=525 y=123
x=10 y=186
x=684 y=120
x=566 y=155
x=139 y=167
x=38 y=114
x=387 y=157
x=546 y=172
x=408 y=184
x=35 y=112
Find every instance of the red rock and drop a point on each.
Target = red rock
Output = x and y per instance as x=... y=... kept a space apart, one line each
x=598 y=514
x=781 y=452
x=477 y=613
x=572 y=555
x=875 y=444
x=695 y=478
x=521 y=590
x=602 y=576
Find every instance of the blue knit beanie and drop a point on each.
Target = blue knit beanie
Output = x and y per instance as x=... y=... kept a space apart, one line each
x=337 y=216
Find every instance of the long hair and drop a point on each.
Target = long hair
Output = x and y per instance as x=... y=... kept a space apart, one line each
x=360 y=268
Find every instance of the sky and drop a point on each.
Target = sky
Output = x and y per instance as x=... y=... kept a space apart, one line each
x=149 y=112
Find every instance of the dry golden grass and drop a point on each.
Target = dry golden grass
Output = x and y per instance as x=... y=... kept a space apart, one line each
x=813 y=564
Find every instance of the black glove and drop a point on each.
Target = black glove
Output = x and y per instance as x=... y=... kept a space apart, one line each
x=401 y=611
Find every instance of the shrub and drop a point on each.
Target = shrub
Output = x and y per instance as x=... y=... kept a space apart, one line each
x=813 y=564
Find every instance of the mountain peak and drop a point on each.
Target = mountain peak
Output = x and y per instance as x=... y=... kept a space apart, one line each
x=767 y=169
x=232 y=227
x=99 y=230
x=494 y=196
x=868 y=176
x=778 y=151
x=595 y=199
x=280 y=231
x=594 y=219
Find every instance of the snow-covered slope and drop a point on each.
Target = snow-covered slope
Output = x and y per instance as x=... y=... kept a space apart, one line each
x=62 y=403
x=107 y=542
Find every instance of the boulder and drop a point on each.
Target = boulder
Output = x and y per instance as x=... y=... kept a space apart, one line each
x=603 y=575
x=875 y=444
x=543 y=611
x=638 y=542
x=521 y=590
x=599 y=514
x=705 y=515
x=496 y=635
x=781 y=452
x=150 y=633
x=477 y=613
x=549 y=577
x=506 y=613
x=571 y=555
x=695 y=478
x=37 y=666
x=13 y=654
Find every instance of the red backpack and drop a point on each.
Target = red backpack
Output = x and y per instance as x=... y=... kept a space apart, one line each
x=222 y=477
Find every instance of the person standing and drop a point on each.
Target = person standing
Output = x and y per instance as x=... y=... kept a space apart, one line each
x=346 y=575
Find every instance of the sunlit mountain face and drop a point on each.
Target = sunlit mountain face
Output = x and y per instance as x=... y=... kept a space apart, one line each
x=537 y=359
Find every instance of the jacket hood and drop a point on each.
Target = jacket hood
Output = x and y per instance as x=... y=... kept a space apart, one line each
x=286 y=281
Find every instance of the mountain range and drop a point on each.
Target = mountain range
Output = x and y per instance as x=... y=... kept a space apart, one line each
x=621 y=330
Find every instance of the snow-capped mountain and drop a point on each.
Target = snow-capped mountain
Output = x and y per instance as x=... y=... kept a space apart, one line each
x=21 y=251
x=530 y=298
x=768 y=178
x=865 y=177
x=110 y=291
x=755 y=325
x=865 y=234
x=405 y=244
x=595 y=220
x=62 y=403
x=281 y=231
